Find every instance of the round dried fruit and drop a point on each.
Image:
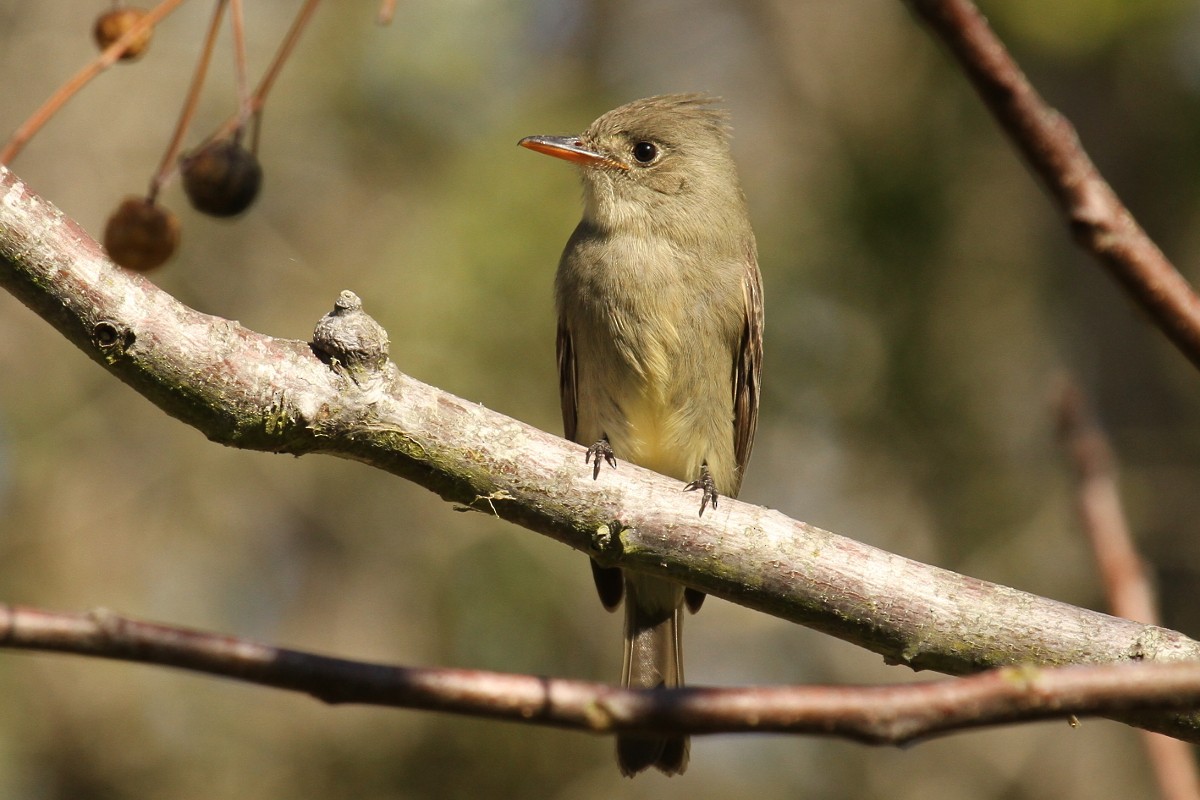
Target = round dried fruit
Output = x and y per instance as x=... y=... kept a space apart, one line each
x=141 y=235
x=112 y=25
x=221 y=178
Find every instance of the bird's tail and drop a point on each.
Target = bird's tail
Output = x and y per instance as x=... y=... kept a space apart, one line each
x=653 y=660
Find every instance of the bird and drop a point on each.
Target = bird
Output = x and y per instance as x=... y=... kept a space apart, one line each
x=659 y=344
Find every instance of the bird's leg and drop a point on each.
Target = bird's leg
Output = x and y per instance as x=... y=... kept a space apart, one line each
x=600 y=451
x=706 y=485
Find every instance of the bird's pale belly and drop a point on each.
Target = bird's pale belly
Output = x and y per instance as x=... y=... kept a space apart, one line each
x=644 y=389
x=653 y=435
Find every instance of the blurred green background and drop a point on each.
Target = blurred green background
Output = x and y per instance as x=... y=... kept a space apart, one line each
x=923 y=301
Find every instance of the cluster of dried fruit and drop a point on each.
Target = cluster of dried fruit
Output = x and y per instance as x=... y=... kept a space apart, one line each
x=220 y=177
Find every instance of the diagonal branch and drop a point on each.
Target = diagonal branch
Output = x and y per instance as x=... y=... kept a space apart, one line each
x=898 y=714
x=248 y=390
x=1100 y=222
x=1126 y=582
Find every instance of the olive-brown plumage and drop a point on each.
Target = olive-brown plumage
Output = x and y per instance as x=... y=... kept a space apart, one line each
x=659 y=342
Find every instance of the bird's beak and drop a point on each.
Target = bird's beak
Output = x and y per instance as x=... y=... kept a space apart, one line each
x=570 y=148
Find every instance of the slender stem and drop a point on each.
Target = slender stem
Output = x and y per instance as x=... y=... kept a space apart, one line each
x=238 y=25
x=106 y=59
x=1101 y=514
x=259 y=98
x=285 y=50
x=167 y=166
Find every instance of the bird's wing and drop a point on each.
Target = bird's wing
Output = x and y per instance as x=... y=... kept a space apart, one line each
x=566 y=380
x=610 y=585
x=747 y=365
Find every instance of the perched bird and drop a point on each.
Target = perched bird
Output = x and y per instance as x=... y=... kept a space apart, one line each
x=660 y=323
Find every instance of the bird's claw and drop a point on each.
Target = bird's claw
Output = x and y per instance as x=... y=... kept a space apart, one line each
x=708 y=489
x=599 y=452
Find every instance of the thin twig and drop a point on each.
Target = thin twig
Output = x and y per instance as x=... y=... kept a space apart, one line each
x=1122 y=571
x=106 y=59
x=259 y=98
x=897 y=714
x=285 y=50
x=237 y=24
x=1100 y=222
x=167 y=166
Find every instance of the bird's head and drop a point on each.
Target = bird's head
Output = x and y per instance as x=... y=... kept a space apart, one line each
x=659 y=161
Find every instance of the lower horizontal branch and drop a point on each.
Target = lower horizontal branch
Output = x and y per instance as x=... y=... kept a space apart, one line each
x=875 y=715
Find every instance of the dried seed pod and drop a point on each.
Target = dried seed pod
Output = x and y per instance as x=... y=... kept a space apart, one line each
x=141 y=235
x=221 y=178
x=112 y=25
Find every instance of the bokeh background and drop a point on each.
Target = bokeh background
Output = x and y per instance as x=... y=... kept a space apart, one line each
x=924 y=301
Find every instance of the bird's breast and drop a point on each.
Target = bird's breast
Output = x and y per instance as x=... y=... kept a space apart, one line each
x=652 y=341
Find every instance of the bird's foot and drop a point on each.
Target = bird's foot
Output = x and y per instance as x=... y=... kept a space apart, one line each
x=599 y=452
x=707 y=487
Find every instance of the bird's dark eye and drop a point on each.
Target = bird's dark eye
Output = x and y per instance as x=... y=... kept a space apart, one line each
x=645 y=152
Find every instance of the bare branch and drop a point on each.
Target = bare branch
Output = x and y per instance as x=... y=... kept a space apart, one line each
x=1126 y=582
x=252 y=391
x=896 y=714
x=1124 y=576
x=1048 y=141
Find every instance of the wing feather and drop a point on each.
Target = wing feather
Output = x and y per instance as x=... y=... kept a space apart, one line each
x=567 y=381
x=610 y=584
x=747 y=365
